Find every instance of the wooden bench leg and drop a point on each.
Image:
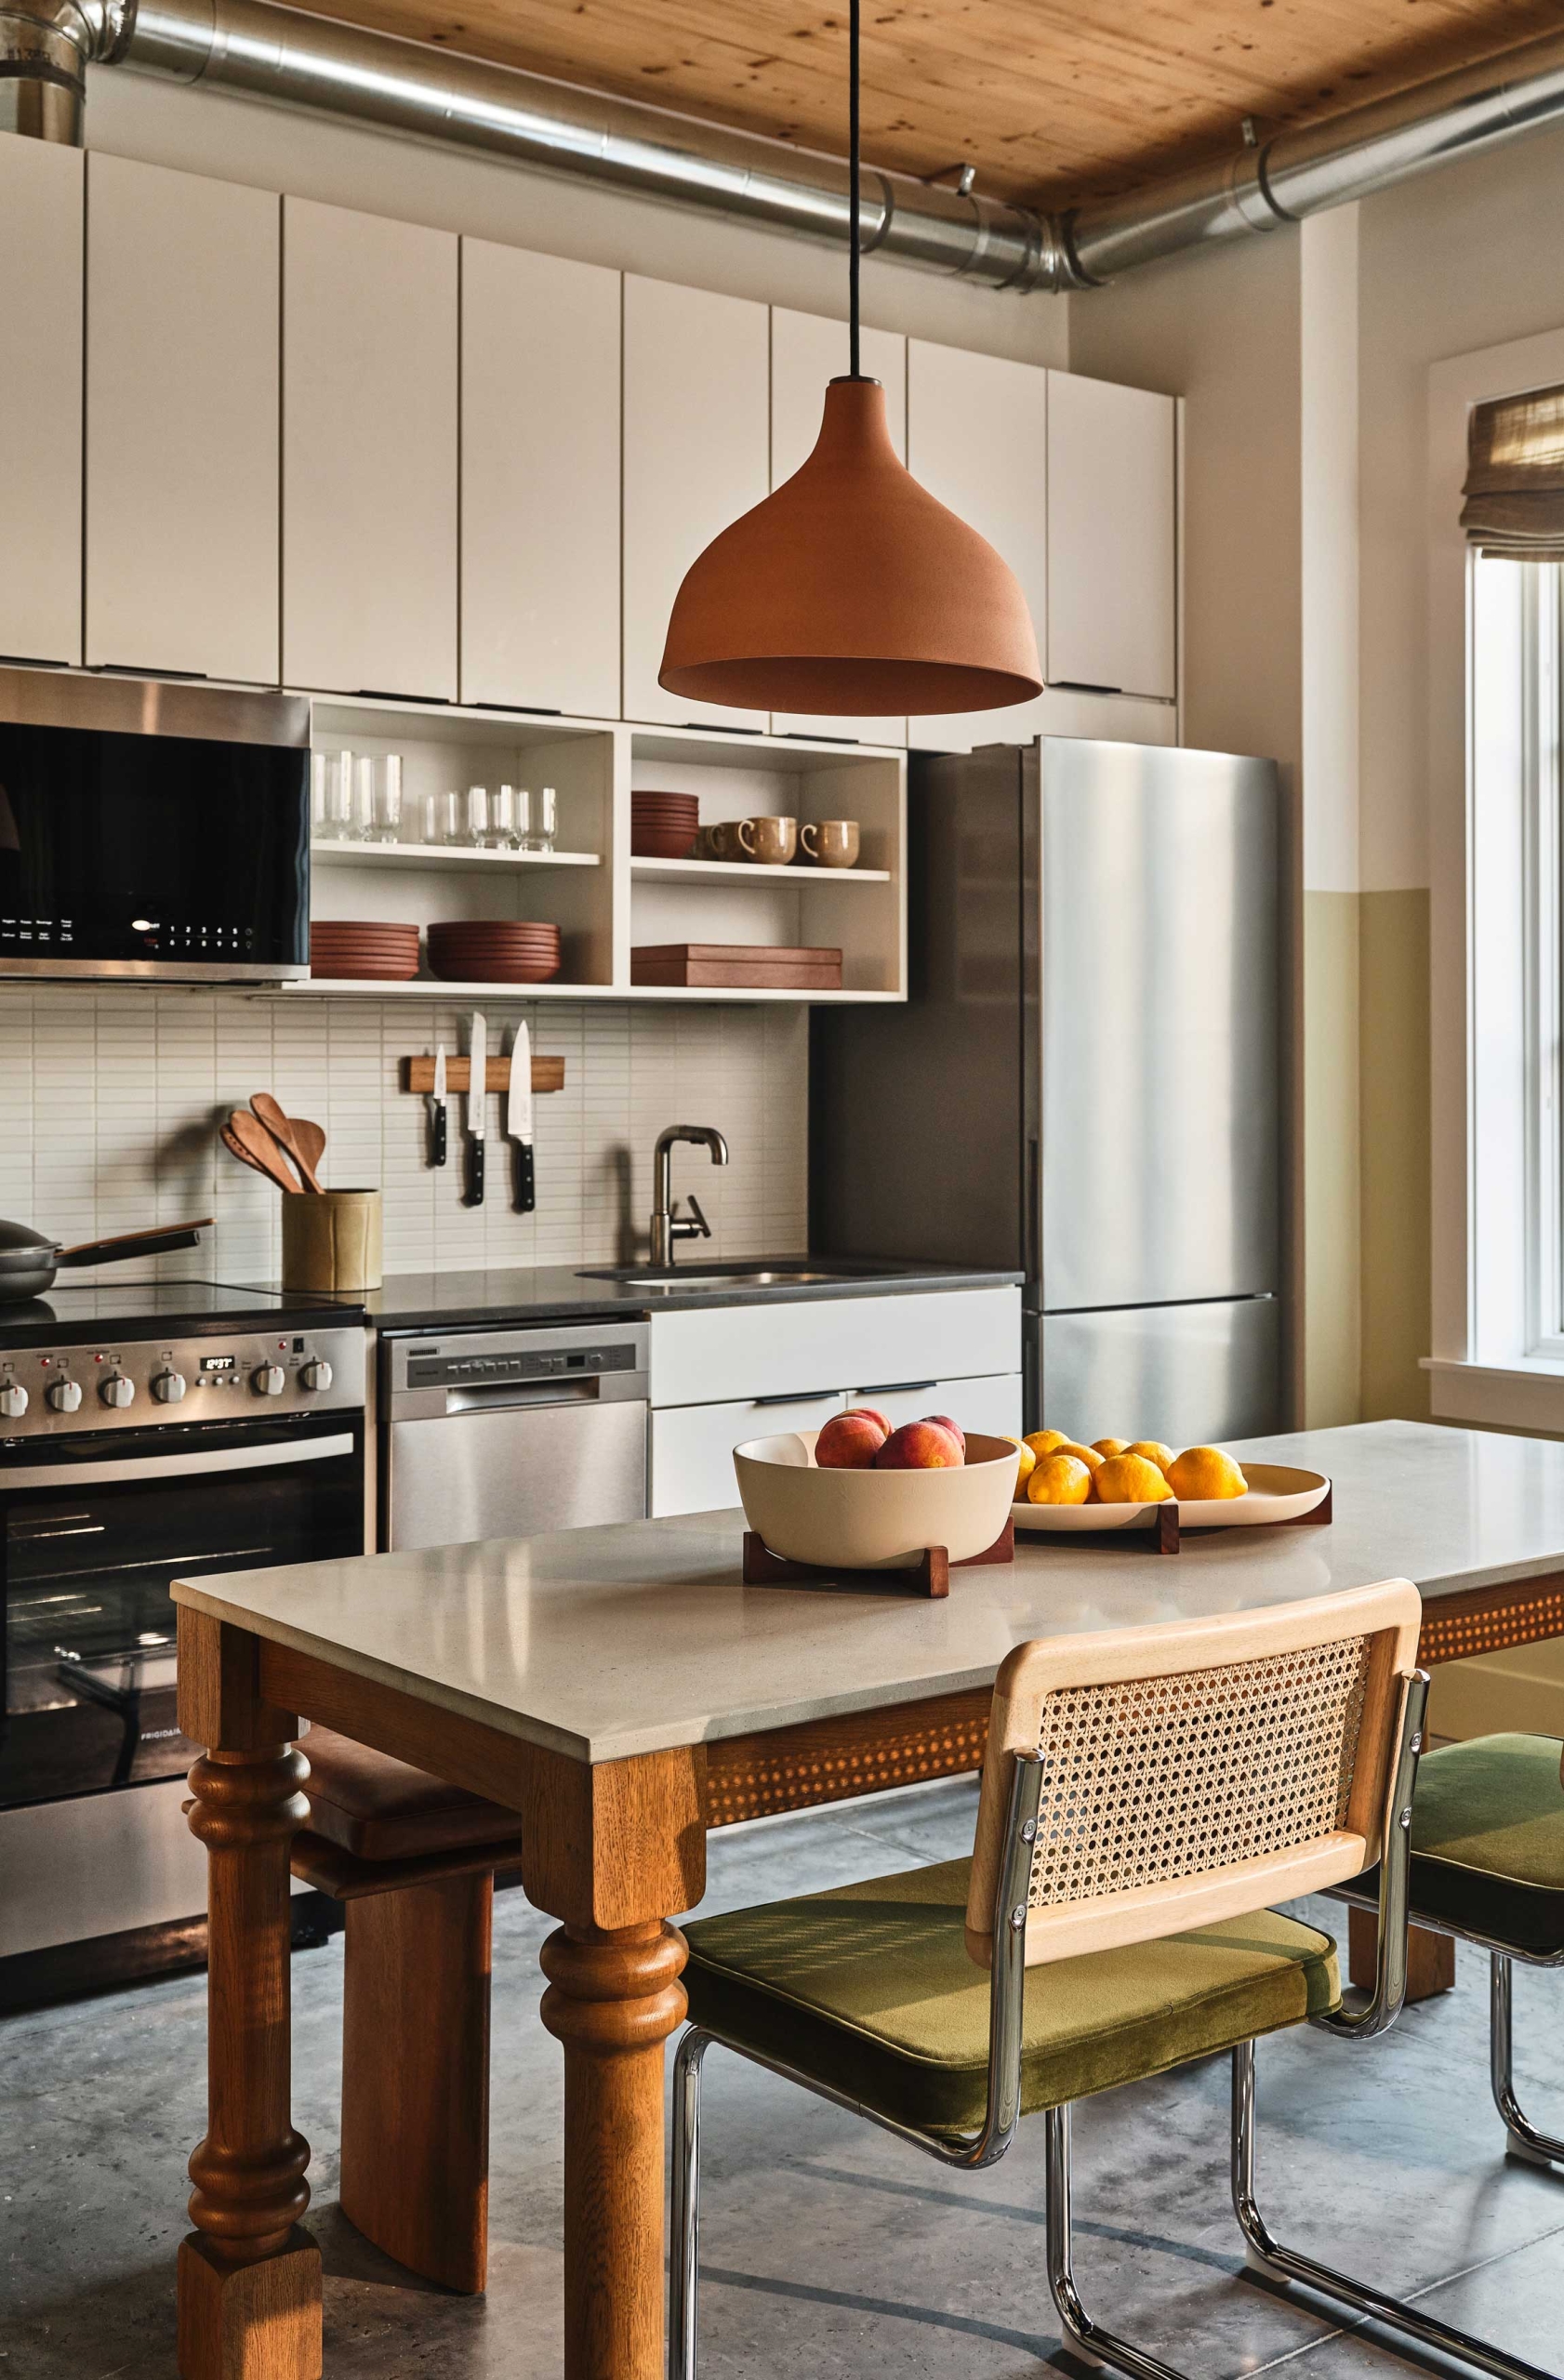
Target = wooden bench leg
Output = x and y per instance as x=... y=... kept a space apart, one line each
x=416 y=2076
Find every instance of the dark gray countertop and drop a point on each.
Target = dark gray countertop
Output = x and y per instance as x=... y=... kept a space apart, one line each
x=559 y=1293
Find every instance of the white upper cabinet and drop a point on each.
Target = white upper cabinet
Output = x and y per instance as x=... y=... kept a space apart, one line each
x=697 y=371
x=182 y=456
x=40 y=200
x=977 y=438
x=1112 y=537
x=539 y=482
x=806 y=352
x=370 y=347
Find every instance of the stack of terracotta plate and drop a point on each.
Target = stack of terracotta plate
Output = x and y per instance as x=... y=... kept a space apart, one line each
x=664 y=826
x=494 y=950
x=344 y=947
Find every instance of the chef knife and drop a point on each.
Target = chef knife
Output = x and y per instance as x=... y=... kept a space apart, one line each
x=437 y=1108
x=478 y=1060
x=518 y=1119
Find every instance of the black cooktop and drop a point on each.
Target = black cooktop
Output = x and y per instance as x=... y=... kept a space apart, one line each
x=71 y=1315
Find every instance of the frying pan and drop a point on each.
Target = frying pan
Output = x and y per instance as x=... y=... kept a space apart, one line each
x=29 y=1261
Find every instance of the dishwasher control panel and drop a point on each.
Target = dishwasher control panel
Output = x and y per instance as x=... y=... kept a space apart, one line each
x=425 y=1375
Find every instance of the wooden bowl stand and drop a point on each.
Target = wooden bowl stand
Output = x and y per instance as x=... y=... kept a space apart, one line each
x=928 y=1577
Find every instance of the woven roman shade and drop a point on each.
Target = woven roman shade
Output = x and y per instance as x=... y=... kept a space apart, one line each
x=1514 y=506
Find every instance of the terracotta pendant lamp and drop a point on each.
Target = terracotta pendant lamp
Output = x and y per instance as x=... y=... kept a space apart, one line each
x=851 y=589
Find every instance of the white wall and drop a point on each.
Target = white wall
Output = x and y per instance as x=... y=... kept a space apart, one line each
x=273 y=148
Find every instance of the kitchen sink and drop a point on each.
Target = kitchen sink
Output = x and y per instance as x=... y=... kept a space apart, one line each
x=714 y=1276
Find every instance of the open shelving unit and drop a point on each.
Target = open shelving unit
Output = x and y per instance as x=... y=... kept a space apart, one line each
x=605 y=901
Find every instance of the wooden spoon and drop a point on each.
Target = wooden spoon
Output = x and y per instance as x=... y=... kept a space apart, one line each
x=285 y=1131
x=310 y=1139
x=246 y=1137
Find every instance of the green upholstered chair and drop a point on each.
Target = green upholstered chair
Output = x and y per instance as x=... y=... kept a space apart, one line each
x=1488 y=1867
x=1146 y=1794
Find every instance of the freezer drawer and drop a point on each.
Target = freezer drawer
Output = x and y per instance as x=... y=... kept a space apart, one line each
x=991 y=1404
x=1190 y=1375
x=515 y=1471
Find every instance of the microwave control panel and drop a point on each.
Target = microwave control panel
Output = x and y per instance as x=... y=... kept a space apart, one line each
x=141 y=1383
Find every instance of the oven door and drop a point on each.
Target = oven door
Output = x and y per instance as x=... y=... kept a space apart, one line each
x=92 y=1534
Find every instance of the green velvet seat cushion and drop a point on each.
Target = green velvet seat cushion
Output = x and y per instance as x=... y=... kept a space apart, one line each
x=869 y=1988
x=1488 y=1841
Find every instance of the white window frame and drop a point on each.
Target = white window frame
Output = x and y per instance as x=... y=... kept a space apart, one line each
x=1498 y=1187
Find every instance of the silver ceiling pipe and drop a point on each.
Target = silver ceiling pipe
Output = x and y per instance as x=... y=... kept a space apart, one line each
x=269 y=52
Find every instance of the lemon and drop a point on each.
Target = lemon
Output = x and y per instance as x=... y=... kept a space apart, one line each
x=1206 y=1470
x=1026 y=1463
x=1059 y=1479
x=1088 y=1455
x=1153 y=1449
x=1130 y=1479
x=1043 y=1442
x=1105 y=1446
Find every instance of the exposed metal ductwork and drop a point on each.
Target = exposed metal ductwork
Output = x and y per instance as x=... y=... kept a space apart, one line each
x=268 y=52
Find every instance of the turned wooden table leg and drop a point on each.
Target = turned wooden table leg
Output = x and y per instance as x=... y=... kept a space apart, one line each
x=249 y=2281
x=614 y=1998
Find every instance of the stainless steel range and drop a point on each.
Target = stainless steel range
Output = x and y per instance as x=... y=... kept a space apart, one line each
x=171 y=1431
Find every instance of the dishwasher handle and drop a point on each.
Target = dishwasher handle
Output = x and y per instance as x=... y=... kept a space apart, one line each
x=518 y=1396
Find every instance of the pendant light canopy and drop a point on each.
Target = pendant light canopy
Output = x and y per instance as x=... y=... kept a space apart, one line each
x=851 y=590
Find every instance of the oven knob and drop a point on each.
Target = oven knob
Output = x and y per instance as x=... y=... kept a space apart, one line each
x=268 y=1379
x=316 y=1374
x=63 y=1396
x=168 y=1387
x=13 y=1400
x=116 y=1389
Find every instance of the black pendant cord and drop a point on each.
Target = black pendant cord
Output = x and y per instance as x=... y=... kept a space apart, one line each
x=853 y=144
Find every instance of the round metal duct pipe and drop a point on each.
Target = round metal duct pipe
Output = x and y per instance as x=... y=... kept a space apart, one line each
x=45 y=47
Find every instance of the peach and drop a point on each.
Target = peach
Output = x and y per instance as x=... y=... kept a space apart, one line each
x=868 y=1413
x=921 y=1445
x=848 y=1442
x=955 y=1428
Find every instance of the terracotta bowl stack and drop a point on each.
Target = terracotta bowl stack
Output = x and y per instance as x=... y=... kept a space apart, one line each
x=494 y=950
x=364 y=947
x=664 y=826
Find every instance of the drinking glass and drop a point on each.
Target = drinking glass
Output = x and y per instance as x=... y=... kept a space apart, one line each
x=339 y=798
x=475 y=817
x=444 y=816
x=545 y=817
x=362 y=826
x=501 y=833
x=524 y=819
x=386 y=804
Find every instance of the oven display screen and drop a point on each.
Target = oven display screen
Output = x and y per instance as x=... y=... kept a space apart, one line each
x=218 y=1363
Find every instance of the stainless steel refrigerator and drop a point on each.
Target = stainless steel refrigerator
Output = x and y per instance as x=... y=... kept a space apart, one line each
x=1084 y=1085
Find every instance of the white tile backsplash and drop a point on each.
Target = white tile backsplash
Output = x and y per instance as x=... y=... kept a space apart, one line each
x=110 y=1098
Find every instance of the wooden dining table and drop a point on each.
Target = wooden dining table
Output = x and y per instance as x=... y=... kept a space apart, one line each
x=625 y=1692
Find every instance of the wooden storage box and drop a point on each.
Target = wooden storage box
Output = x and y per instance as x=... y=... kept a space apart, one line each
x=735 y=966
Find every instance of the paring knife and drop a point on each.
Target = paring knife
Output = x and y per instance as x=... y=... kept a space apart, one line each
x=478 y=1058
x=518 y=1119
x=437 y=1108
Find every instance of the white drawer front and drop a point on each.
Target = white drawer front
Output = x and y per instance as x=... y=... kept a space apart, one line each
x=728 y=1351
x=692 y=1447
x=992 y=1403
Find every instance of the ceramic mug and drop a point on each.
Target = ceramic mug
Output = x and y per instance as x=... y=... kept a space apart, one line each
x=768 y=841
x=830 y=842
x=727 y=841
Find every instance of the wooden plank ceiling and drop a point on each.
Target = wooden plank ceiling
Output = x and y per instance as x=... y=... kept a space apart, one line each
x=1051 y=100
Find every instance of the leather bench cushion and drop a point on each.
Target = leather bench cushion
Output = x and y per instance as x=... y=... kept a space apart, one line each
x=1487 y=1840
x=871 y=1989
x=381 y=1808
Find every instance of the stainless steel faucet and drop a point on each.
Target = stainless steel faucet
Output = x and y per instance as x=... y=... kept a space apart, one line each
x=667 y=1226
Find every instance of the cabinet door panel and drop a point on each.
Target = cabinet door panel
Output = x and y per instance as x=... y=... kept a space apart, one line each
x=977 y=438
x=183 y=451
x=990 y=1403
x=798 y=1348
x=369 y=453
x=697 y=456
x=41 y=205
x=539 y=482
x=692 y=1447
x=1111 y=537
x=806 y=352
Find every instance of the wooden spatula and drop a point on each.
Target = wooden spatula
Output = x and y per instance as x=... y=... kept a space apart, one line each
x=310 y=1139
x=246 y=1138
x=285 y=1131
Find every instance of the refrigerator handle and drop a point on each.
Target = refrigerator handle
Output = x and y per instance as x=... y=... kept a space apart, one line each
x=1034 y=1184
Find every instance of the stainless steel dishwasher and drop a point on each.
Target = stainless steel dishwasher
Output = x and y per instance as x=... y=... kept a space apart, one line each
x=507 y=1433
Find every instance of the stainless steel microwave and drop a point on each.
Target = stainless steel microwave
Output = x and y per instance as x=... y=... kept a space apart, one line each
x=153 y=830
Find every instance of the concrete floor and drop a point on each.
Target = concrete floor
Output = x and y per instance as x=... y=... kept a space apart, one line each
x=829 y=2249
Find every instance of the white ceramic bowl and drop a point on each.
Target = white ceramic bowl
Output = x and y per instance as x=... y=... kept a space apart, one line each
x=871 y=1520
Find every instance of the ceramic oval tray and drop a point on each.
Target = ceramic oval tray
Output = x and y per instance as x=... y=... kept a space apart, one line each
x=1276 y=1492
